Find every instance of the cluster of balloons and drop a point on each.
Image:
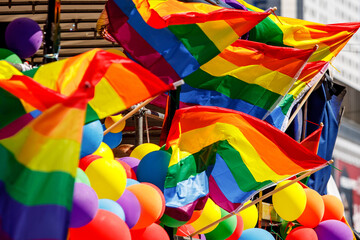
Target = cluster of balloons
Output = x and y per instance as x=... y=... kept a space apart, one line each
x=317 y=217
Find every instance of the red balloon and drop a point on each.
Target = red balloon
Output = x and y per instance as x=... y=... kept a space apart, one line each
x=154 y=231
x=105 y=226
x=314 y=209
x=196 y=214
x=87 y=160
x=186 y=230
x=238 y=230
x=302 y=233
x=334 y=208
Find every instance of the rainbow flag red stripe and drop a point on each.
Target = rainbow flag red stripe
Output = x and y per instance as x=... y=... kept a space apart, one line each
x=172 y=38
x=227 y=155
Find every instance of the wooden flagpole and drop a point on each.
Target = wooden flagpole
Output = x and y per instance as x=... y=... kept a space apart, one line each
x=241 y=208
x=130 y=114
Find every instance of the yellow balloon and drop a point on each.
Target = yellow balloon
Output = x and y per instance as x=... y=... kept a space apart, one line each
x=290 y=202
x=210 y=214
x=249 y=216
x=109 y=121
x=108 y=178
x=104 y=151
x=140 y=151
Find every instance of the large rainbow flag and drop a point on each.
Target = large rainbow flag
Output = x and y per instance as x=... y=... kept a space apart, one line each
x=247 y=76
x=120 y=82
x=227 y=155
x=172 y=38
x=38 y=169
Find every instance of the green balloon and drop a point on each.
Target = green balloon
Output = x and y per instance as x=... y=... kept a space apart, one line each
x=224 y=229
x=170 y=222
x=7 y=55
x=81 y=177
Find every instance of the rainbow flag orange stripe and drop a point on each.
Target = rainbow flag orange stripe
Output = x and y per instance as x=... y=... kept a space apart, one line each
x=227 y=155
x=247 y=76
x=38 y=169
x=172 y=38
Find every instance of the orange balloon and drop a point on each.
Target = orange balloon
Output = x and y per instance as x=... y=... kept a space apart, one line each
x=105 y=226
x=334 y=208
x=151 y=202
x=314 y=209
x=196 y=214
x=186 y=230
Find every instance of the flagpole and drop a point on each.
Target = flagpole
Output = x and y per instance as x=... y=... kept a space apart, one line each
x=130 y=114
x=243 y=207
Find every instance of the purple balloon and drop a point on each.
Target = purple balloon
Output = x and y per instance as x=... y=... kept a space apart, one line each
x=131 y=161
x=202 y=237
x=85 y=205
x=334 y=230
x=131 y=206
x=23 y=36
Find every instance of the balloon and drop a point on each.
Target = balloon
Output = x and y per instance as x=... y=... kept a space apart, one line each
x=171 y=222
x=112 y=206
x=85 y=205
x=290 y=202
x=91 y=138
x=112 y=139
x=81 y=177
x=238 y=230
x=153 y=168
x=314 y=209
x=301 y=233
x=151 y=203
x=109 y=121
x=249 y=216
x=87 y=160
x=224 y=229
x=105 y=226
x=186 y=230
x=7 y=55
x=210 y=214
x=107 y=177
x=23 y=36
x=129 y=171
x=130 y=182
x=154 y=231
x=334 y=230
x=334 y=208
x=140 y=151
x=256 y=234
x=161 y=196
x=104 y=151
x=131 y=161
x=131 y=206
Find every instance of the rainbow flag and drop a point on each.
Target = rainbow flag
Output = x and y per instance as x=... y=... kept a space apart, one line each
x=310 y=75
x=227 y=155
x=38 y=169
x=172 y=38
x=120 y=82
x=247 y=76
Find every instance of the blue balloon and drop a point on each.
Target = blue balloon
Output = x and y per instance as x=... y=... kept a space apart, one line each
x=91 y=138
x=130 y=182
x=256 y=234
x=112 y=139
x=112 y=206
x=153 y=168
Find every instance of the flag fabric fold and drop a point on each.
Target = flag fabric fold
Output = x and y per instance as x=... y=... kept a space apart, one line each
x=120 y=82
x=38 y=169
x=172 y=38
x=247 y=76
x=227 y=155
